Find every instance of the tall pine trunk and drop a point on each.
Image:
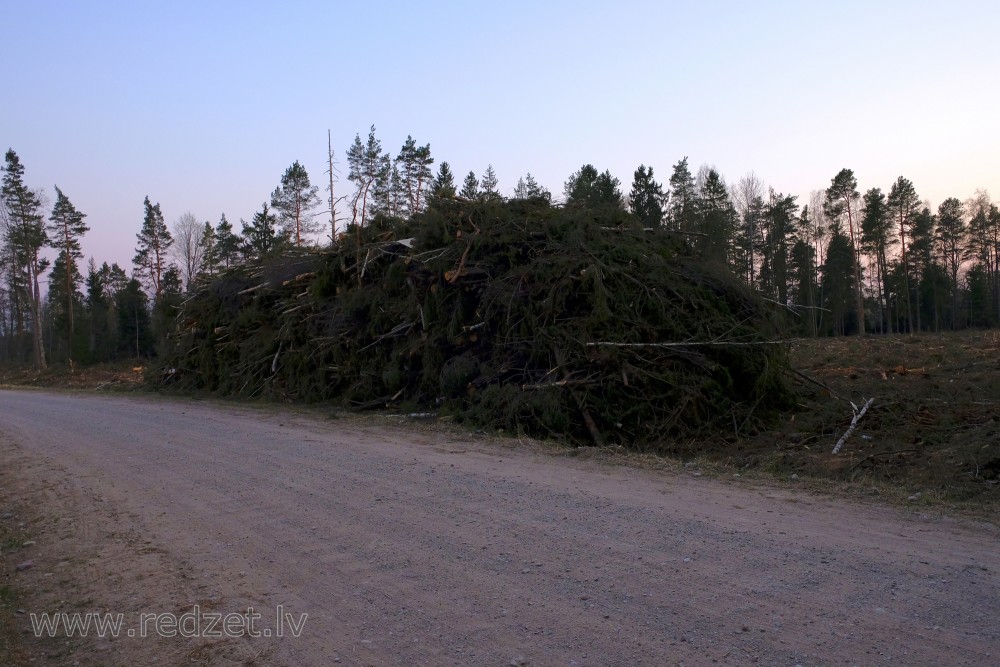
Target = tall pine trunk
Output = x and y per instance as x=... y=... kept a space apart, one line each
x=38 y=344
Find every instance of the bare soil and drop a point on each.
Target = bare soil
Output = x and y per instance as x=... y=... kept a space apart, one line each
x=125 y=375
x=415 y=546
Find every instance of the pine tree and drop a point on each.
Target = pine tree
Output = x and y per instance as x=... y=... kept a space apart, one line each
x=904 y=206
x=414 y=168
x=952 y=237
x=841 y=199
x=293 y=202
x=388 y=196
x=984 y=230
x=921 y=261
x=150 y=259
x=366 y=163
x=66 y=228
x=876 y=239
x=779 y=226
x=25 y=236
x=588 y=189
x=470 y=186
x=646 y=198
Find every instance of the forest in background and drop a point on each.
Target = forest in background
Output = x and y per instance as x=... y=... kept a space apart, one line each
x=843 y=263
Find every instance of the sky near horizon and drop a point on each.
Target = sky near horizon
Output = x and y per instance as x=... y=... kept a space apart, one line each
x=203 y=105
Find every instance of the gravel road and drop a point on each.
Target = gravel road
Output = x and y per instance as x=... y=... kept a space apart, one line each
x=411 y=546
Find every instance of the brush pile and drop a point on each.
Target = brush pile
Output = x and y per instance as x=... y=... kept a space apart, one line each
x=569 y=324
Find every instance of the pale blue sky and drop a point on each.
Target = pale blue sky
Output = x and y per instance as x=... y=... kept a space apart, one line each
x=203 y=105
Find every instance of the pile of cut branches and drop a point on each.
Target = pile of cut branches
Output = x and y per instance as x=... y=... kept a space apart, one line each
x=572 y=324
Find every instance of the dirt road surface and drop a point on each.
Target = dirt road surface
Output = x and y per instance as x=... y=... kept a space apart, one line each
x=407 y=546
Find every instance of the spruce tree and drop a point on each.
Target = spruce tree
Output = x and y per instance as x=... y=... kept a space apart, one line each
x=488 y=186
x=227 y=244
x=98 y=307
x=683 y=198
x=209 y=255
x=444 y=183
x=165 y=310
x=132 y=309
x=261 y=236
x=716 y=219
x=838 y=282
x=470 y=186
x=646 y=198
x=802 y=285
x=63 y=297
x=528 y=188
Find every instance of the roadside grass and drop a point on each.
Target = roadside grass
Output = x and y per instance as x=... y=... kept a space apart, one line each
x=12 y=649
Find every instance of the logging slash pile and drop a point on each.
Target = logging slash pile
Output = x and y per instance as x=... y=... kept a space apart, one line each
x=558 y=323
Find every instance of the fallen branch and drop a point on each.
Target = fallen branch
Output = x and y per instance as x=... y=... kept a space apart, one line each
x=588 y=421
x=817 y=383
x=854 y=423
x=397 y=330
x=452 y=276
x=558 y=383
x=251 y=289
x=274 y=362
